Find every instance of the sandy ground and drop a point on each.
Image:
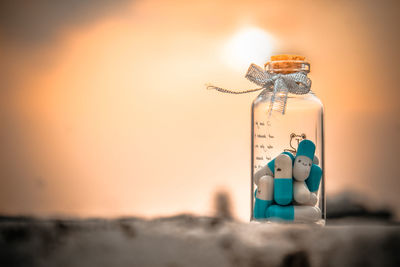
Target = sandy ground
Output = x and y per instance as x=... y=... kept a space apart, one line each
x=186 y=240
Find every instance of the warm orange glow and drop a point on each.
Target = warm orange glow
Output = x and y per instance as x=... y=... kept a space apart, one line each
x=249 y=44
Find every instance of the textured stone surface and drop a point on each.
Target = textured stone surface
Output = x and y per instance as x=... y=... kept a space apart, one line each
x=195 y=241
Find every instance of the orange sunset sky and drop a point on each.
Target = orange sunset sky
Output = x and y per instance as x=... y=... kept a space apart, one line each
x=104 y=111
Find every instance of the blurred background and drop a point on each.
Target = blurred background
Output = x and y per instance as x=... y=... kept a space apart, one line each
x=104 y=111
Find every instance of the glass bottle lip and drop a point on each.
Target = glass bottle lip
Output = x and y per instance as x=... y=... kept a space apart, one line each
x=287 y=66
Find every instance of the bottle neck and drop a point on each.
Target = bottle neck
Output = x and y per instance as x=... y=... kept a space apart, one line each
x=287 y=66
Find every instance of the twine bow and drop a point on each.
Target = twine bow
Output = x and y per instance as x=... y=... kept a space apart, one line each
x=280 y=84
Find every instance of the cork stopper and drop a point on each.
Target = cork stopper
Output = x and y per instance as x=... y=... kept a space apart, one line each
x=287 y=57
x=287 y=64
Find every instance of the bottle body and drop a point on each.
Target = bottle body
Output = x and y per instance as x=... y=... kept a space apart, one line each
x=274 y=133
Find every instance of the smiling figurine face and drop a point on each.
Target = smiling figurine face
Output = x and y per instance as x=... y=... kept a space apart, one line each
x=301 y=168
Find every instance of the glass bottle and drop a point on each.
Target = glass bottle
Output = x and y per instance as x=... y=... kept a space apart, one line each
x=274 y=133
